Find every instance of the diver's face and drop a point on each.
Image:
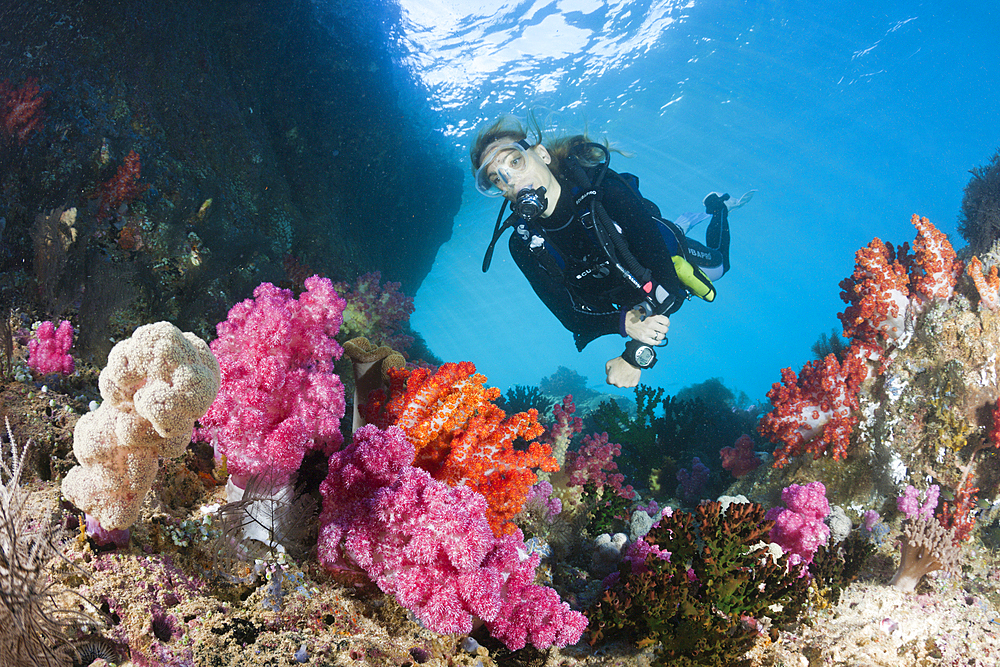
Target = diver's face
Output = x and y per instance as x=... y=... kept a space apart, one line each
x=508 y=168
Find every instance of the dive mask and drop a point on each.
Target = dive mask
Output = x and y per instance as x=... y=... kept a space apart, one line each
x=502 y=166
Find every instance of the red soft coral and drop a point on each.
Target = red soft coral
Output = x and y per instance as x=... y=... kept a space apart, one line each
x=739 y=459
x=816 y=410
x=122 y=188
x=21 y=109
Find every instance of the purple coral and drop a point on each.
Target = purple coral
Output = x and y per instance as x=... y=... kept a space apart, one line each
x=692 y=484
x=909 y=503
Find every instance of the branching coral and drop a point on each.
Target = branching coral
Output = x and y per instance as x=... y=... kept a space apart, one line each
x=980 y=221
x=694 y=600
x=34 y=629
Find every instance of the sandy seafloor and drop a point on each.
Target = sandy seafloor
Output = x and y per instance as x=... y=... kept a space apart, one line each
x=159 y=605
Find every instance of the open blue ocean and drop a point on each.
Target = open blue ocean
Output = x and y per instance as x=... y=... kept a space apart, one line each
x=845 y=117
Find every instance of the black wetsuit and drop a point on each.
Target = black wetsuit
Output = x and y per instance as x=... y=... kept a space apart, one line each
x=571 y=275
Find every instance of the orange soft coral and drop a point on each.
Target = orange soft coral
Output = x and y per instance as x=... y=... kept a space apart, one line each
x=937 y=268
x=987 y=285
x=462 y=438
x=877 y=294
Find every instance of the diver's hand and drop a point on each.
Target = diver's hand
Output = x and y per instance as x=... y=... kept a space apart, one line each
x=621 y=373
x=651 y=331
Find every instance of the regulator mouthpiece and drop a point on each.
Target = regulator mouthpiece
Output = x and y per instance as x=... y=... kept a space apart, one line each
x=530 y=204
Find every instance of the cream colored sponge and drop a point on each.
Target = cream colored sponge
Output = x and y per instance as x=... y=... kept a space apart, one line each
x=156 y=385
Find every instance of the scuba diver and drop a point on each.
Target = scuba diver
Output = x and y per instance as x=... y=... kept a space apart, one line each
x=596 y=252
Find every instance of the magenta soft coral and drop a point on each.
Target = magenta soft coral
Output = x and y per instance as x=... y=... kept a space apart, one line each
x=799 y=530
x=280 y=397
x=430 y=545
x=48 y=351
x=594 y=463
x=739 y=459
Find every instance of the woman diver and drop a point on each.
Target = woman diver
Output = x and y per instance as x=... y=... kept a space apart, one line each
x=597 y=254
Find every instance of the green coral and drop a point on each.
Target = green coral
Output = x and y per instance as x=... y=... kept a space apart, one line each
x=833 y=568
x=695 y=604
x=521 y=398
x=953 y=429
x=609 y=512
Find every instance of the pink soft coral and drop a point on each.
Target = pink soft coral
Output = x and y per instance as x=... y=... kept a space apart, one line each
x=431 y=546
x=280 y=397
x=48 y=352
x=799 y=530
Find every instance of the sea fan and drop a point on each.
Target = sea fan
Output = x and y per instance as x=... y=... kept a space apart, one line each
x=285 y=520
x=34 y=625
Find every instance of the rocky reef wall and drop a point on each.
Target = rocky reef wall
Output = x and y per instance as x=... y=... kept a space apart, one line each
x=193 y=150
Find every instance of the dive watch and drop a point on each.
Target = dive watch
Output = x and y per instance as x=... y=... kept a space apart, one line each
x=639 y=354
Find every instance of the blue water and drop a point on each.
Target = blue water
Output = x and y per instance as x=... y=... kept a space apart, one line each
x=846 y=118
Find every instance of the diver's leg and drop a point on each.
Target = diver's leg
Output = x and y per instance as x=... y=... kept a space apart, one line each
x=717 y=234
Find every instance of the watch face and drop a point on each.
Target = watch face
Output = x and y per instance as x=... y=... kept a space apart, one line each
x=644 y=355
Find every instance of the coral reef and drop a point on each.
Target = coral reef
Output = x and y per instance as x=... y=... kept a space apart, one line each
x=700 y=586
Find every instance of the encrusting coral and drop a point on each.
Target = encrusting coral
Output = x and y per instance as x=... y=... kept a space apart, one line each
x=155 y=385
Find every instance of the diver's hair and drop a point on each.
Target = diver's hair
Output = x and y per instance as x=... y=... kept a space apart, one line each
x=506 y=127
x=559 y=148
